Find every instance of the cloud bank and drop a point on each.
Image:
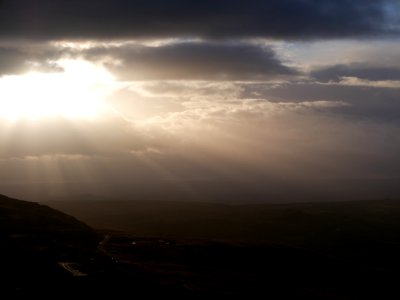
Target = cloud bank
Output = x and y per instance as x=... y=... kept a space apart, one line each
x=121 y=19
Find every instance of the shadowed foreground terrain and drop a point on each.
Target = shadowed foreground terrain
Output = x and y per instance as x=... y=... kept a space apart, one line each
x=48 y=254
x=345 y=250
x=338 y=250
x=34 y=240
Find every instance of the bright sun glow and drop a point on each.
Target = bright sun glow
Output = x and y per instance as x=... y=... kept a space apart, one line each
x=76 y=92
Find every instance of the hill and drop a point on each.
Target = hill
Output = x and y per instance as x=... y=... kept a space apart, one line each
x=34 y=241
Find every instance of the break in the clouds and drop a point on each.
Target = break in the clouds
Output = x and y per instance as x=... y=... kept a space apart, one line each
x=282 y=19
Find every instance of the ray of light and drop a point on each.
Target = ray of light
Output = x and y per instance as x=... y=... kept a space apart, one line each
x=76 y=92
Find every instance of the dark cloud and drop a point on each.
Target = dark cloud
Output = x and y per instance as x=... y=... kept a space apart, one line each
x=363 y=71
x=180 y=60
x=110 y=19
x=12 y=61
x=19 y=59
x=374 y=103
x=199 y=60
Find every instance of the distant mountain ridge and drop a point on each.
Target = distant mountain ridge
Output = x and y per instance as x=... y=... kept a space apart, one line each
x=297 y=222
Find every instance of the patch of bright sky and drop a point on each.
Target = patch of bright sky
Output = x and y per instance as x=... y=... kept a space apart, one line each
x=85 y=45
x=77 y=92
x=308 y=55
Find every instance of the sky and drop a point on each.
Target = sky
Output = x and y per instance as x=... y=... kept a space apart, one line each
x=223 y=100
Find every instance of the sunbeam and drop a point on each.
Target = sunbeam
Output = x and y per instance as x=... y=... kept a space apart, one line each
x=77 y=91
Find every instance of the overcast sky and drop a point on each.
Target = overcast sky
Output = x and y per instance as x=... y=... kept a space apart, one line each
x=280 y=100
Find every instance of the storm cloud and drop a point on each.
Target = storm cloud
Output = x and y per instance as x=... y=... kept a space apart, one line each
x=121 y=19
x=194 y=61
x=359 y=70
x=364 y=102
